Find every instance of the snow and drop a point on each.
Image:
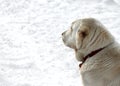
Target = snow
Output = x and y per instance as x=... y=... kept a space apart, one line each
x=31 y=50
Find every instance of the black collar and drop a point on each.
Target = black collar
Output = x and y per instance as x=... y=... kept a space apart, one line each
x=90 y=55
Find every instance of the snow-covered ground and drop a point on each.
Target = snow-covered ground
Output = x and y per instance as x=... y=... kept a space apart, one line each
x=31 y=50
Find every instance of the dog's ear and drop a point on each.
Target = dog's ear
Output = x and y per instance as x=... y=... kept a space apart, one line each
x=81 y=35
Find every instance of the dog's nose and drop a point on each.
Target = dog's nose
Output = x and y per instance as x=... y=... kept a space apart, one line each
x=63 y=33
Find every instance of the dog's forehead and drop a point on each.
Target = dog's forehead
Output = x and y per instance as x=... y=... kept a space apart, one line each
x=76 y=24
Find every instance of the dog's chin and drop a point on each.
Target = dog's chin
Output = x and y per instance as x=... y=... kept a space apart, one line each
x=68 y=45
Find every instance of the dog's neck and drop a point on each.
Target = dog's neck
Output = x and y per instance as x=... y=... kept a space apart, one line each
x=92 y=54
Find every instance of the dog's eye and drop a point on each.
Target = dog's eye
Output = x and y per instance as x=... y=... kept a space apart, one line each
x=71 y=29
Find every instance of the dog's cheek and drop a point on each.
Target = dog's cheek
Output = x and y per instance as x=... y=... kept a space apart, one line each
x=79 y=55
x=71 y=43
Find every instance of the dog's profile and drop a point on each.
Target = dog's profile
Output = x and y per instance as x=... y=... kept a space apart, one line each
x=98 y=51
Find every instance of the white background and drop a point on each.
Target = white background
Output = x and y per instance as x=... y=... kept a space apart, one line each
x=31 y=49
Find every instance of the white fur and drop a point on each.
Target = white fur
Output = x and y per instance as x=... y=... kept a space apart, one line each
x=103 y=69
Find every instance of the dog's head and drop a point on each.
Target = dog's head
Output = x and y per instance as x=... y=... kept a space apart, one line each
x=86 y=35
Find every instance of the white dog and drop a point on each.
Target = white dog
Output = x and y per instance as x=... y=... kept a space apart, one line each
x=98 y=51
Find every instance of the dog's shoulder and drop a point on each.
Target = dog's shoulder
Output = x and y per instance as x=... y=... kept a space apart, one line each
x=107 y=58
